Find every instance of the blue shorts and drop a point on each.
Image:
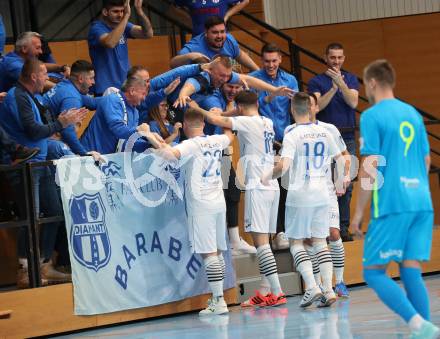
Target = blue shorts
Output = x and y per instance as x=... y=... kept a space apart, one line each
x=398 y=237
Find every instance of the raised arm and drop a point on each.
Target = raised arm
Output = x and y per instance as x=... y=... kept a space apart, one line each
x=245 y=60
x=188 y=58
x=264 y=86
x=144 y=30
x=235 y=9
x=111 y=40
x=212 y=117
x=185 y=93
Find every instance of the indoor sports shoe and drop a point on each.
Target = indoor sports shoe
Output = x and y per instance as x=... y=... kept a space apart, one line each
x=280 y=242
x=341 y=290
x=242 y=248
x=311 y=295
x=258 y=300
x=276 y=300
x=215 y=306
x=427 y=331
x=327 y=299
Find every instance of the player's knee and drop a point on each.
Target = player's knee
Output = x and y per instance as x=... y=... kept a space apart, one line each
x=372 y=275
x=335 y=235
x=410 y=264
x=319 y=244
x=308 y=242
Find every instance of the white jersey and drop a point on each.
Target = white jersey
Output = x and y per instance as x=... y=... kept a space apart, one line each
x=311 y=148
x=337 y=137
x=255 y=135
x=201 y=163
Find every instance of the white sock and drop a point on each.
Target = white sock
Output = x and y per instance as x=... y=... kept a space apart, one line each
x=214 y=273
x=268 y=267
x=315 y=264
x=325 y=263
x=416 y=322
x=234 y=235
x=221 y=259
x=264 y=285
x=303 y=264
x=338 y=258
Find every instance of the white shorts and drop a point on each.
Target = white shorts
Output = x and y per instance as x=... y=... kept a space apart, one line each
x=333 y=213
x=207 y=233
x=261 y=211
x=307 y=222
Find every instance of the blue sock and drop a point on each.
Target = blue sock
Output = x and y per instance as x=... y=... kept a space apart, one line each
x=390 y=293
x=416 y=290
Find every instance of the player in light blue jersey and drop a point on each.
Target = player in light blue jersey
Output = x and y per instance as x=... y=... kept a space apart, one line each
x=394 y=171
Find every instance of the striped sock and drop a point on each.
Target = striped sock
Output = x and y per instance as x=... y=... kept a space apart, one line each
x=214 y=273
x=338 y=257
x=325 y=264
x=303 y=265
x=221 y=259
x=268 y=267
x=315 y=264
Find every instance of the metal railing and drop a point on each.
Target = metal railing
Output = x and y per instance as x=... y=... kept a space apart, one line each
x=31 y=221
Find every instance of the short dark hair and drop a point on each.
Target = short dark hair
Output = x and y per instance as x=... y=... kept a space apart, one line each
x=107 y=4
x=381 y=71
x=270 y=48
x=81 y=66
x=301 y=104
x=31 y=66
x=313 y=95
x=246 y=98
x=134 y=69
x=213 y=21
x=333 y=45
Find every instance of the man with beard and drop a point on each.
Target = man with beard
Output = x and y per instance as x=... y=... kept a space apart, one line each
x=71 y=93
x=338 y=93
x=108 y=42
x=213 y=42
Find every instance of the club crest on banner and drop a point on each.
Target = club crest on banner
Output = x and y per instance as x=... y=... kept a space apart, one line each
x=89 y=239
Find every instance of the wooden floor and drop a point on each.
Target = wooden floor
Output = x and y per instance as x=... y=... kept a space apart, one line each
x=362 y=316
x=48 y=310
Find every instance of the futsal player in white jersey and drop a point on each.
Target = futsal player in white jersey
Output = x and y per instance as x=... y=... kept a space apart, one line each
x=335 y=242
x=307 y=151
x=200 y=156
x=256 y=135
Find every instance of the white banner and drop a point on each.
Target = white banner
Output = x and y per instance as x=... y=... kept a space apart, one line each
x=128 y=236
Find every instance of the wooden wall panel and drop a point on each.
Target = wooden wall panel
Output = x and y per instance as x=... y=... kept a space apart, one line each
x=49 y=310
x=301 y=13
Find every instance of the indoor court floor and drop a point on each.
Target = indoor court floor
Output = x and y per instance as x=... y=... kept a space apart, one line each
x=360 y=316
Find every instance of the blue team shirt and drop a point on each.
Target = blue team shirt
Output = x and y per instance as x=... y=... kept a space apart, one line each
x=337 y=111
x=107 y=126
x=201 y=10
x=278 y=110
x=111 y=64
x=395 y=130
x=215 y=100
x=11 y=122
x=154 y=127
x=10 y=69
x=160 y=82
x=200 y=45
x=206 y=88
x=63 y=97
